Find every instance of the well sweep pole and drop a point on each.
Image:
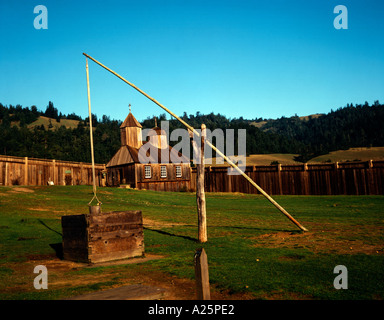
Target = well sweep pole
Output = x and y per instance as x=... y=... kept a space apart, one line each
x=282 y=210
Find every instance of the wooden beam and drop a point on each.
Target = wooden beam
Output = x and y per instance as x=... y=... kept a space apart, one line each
x=282 y=210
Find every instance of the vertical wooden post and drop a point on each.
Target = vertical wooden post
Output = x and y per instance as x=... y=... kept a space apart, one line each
x=202 y=275
x=305 y=179
x=200 y=193
x=82 y=174
x=104 y=176
x=279 y=177
x=6 y=174
x=63 y=176
x=54 y=172
x=26 y=171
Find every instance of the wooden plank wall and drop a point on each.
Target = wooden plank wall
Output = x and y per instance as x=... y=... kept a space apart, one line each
x=35 y=172
x=348 y=178
x=170 y=183
x=133 y=175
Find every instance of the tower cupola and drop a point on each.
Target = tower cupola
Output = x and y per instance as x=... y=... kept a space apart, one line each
x=130 y=131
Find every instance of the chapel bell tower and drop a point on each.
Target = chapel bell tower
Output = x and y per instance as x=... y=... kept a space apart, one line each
x=130 y=131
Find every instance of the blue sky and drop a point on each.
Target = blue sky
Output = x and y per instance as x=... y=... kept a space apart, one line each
x=238 y=58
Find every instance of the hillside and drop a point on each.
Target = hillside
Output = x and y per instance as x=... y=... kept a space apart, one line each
x=53 y=124
x=26 y=131
x=261 y=123
x=260 y=160
x=352 y=154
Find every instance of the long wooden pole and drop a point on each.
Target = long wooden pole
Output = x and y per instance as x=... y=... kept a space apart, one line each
x=282 y=210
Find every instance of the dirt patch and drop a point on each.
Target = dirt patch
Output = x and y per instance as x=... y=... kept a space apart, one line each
x=285 y=295
x=66 y=274
x=291 y=257
x=150 y=223
x=38 y=209
x=21 y=189
x=328 y=239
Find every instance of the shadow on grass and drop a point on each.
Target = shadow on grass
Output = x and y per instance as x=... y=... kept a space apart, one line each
x=49 y=228
x=171 y=234
x=58 y=247
x=262 y=230
x=258 y=229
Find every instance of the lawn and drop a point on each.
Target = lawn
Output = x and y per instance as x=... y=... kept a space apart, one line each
x=254 y=252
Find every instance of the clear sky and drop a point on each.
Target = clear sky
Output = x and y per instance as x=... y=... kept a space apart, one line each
x=238 y=58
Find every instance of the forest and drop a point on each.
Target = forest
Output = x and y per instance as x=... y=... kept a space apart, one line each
x=344 y=128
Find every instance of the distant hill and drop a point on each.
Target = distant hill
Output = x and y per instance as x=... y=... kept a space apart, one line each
x=50 y=123
x=27 y=131
x=262 y=123
x=348 y=127
x=260 y=160
x=352 y=154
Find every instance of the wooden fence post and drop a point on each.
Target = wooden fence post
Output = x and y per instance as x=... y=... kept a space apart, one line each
x=82 y=173
x=26 y=171
x=54 y=173
x=280 y=179
x=202 y=275
x=6 y=174
x=305 y=179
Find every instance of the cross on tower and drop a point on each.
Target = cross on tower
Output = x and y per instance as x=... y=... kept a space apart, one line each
x=129 y=106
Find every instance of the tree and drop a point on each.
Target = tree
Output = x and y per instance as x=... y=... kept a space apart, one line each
x=51 y=111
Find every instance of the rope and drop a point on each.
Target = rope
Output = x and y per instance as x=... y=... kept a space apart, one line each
x=91 y=137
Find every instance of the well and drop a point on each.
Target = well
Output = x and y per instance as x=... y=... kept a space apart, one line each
x=101 y=237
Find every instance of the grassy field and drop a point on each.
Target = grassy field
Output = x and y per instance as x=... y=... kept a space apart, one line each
x=45 y=121
x=254 y=252
x=352 y=154
x=259 y=160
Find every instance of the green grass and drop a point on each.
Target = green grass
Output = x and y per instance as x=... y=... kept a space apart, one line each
x=252 y=247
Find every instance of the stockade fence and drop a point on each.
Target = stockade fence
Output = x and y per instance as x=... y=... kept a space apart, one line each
x=344 y=178
x=32 y=172
x=340 y=178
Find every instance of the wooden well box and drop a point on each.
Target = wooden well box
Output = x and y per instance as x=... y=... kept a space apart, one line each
x=101 y=237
